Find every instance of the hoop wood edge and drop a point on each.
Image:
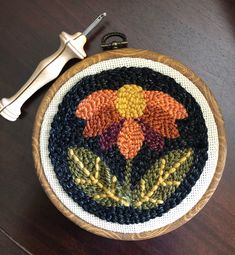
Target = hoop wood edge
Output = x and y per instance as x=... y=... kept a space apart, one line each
x=129 y=52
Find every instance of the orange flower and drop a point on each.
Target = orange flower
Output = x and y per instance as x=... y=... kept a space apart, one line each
x=129 y=116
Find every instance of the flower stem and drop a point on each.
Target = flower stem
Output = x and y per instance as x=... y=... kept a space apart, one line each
x=127 y=180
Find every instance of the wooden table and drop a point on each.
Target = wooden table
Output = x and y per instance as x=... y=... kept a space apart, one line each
x=198 y=33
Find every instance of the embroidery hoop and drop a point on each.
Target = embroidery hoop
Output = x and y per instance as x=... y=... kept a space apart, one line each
x=130 y=53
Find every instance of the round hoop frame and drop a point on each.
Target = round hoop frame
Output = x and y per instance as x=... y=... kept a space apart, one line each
x=128 y=52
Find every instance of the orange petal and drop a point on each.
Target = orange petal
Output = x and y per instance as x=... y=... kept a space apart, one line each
x=93 y=104
x=130 y=139
x=167 y=103
x=99 y=122
x=161 y=122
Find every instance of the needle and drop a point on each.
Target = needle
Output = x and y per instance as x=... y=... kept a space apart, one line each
x=94 y=24
x=48 y=69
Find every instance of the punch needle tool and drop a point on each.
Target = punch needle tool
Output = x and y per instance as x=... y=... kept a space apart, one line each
x=71 y=46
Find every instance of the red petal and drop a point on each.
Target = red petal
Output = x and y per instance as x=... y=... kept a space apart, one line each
x=166 y=102
x=110 y=135
x=130 y=139
x=95 y=103
x=154 y=140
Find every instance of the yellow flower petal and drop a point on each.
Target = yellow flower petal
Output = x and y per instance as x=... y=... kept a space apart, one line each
x=130 y=102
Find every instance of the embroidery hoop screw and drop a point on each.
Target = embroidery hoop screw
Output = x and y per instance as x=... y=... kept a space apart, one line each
x=105 y=45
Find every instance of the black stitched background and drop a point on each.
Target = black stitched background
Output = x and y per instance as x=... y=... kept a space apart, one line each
x=66 y=131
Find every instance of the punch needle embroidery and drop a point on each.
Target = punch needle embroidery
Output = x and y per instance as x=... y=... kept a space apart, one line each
x=160 y=181
x=129 y=116
x=128 y=144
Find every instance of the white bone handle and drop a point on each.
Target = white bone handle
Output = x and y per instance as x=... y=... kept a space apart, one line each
x=48 y=69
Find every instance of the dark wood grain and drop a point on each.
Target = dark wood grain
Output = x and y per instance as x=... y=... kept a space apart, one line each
x=200 y=34
x=10 y=246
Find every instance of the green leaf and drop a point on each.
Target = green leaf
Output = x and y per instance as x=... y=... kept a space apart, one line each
x=162 y=179
x=88 y=159
x=93 y=176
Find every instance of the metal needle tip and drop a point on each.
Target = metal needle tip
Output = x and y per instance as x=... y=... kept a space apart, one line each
x=94 y=23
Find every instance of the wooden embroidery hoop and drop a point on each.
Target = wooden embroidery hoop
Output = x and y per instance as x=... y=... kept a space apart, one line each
x=129 y=52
